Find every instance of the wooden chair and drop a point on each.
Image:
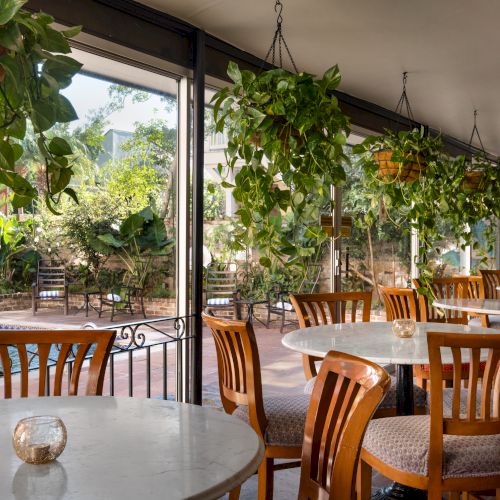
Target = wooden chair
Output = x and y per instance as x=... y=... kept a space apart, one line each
x=278 y=303
x=347 y=392
x=457 y=447
x=50 y=284
x=443 y=288
x=315 y=309
x=400 y=303
x=55 y=347
x=491 y=280
x=220 y=288
x=279 y=421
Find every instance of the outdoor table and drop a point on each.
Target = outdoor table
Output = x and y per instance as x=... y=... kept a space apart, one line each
x=376 y=342
x=250 y=303
x=87 y=295
x=130 y=448
x=479 y=306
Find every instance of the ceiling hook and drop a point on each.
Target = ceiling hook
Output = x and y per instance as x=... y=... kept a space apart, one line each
x=278 y=8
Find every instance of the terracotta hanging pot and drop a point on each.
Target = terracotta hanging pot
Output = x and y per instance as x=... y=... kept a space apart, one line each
x=472 y=180
x=408 y=171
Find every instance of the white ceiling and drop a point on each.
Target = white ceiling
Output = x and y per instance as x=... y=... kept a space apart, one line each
x=448 y=48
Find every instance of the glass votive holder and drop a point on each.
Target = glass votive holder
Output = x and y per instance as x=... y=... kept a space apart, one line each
x=404 y=328
x=38 y=440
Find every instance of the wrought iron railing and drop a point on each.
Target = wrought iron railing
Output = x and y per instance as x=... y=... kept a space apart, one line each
x=150 y=344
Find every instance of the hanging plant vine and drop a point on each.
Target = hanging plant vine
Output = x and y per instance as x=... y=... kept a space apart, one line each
x=285 y=150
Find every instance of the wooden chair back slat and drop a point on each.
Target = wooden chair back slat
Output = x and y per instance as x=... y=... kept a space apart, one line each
x=64 y=352
x=345 y=396
x=400 y=303
x=444 y=288
x=43 y=340
x=239 y=368
x=475 y=289
x=4 y=356
x=82 y=351
x=22 y=353
x=491 y=280
x=43 y=358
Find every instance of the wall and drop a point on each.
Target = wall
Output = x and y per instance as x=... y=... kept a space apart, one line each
x=20 y=301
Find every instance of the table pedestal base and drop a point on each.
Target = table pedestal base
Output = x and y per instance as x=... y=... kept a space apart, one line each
x=397 y=491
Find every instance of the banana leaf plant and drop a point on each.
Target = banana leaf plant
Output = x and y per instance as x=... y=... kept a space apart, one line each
x=140 y=238
x=34 y=68
x=285 y=150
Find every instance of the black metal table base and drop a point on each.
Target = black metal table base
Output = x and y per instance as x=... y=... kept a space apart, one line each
x=397 y=491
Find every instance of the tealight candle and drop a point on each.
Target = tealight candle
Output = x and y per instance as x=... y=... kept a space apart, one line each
x=38 y=453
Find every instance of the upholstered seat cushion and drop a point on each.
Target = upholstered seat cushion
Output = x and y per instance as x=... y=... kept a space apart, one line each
x=403 y=443
x=283 y=305
x=221 y=301
x=419 y=394
x=286 y=419
x=45 y=294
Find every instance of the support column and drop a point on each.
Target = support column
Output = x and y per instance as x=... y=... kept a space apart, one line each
x=182 y=227
x=197 y=228
x=336 y=246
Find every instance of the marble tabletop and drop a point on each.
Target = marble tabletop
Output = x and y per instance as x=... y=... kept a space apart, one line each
x=130 y=448
x=373 y=341
x=483 y=306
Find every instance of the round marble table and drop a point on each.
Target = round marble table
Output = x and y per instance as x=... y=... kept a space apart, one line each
x=130 y=448
x=480 y=306
x=376 y=342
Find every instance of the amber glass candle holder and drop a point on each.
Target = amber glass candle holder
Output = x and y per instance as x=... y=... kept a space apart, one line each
x=404 y=328
x=38 y=440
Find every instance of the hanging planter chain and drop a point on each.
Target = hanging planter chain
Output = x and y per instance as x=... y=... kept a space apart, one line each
x=475 y=130
x=405 y=102
x=279 y=40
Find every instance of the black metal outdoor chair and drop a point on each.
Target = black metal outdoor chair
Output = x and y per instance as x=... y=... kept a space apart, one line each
x=50 y=284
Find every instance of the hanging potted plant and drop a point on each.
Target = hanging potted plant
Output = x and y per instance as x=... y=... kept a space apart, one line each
x=285 y=150
x=477 y=170
x=399 y=156
x=34 y=68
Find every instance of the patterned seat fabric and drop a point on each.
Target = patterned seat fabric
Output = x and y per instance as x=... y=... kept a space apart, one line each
x=419 y=394
x=286 y=418
x=447 y=402
x=403 y=443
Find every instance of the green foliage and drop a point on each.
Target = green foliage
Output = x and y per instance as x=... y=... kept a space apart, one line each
x=33 y=70
x=133 y=187
x=17 y=260
x=438 y=199
x=140 y=238
x=82 y=224
x=214 y=201
x=285 y=146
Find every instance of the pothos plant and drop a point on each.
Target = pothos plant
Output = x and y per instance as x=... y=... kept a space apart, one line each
x=285 y=150
x=33 y=70
x=438 y=194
